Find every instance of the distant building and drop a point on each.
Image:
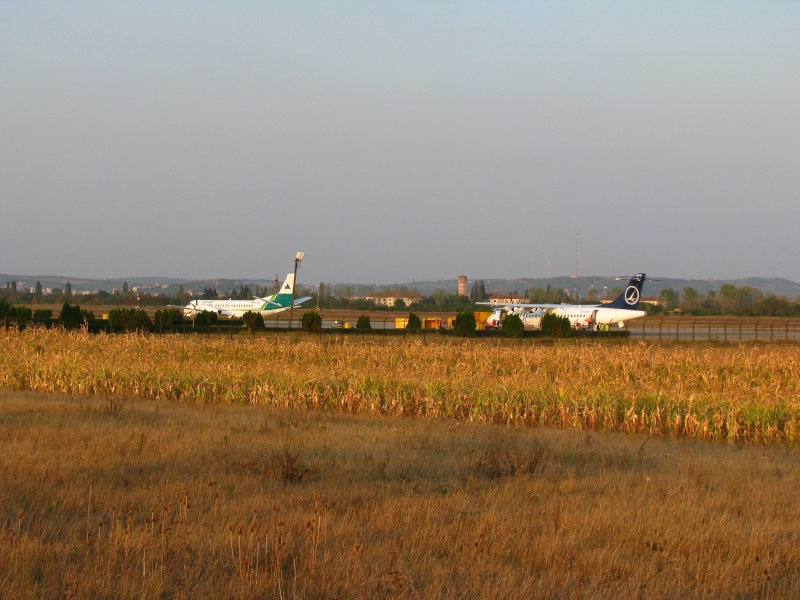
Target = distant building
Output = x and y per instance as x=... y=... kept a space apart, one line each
x=389 y=298
x=507 y=298
x=462 y=285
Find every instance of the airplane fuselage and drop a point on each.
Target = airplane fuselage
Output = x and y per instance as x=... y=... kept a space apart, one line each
x=232 y=308
x=580 y=316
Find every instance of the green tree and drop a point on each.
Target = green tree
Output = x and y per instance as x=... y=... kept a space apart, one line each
x=38 y=293
x=670 y=298
x=480 y=292
x=513 y=326
x=414 y=323
x=473 y=293
x=68 y=290
x=400 y=304
x=311 y=322
x=772 y=306
x=729 y=296
x=253 y=319
x=537 y=294
x=712 y=302
x=691 y=298
x=748 y=297
x=181 y=297
x=464 y=324
x=440 y=298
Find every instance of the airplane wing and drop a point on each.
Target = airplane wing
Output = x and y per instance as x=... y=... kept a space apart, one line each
x=301 y=300
x=202 y=308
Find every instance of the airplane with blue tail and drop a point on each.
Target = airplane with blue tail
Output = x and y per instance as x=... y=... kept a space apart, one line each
x=622 y=309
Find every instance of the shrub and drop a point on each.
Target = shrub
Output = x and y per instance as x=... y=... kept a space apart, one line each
x=556 y=326
x=311 y=322
x=42 y=314
x=20 y=315
x=167 y=319
x=513 y=327
x=363 y=324
x=414 y=323
x=206 y=318
x=253 y=319
x=5 y=307
x=130 y=319
x=464 y=324
x=71 y=316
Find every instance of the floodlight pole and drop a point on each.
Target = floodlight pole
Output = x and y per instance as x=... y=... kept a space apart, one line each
x=297 y=260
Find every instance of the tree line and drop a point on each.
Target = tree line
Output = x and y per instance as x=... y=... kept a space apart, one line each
x=728 y=300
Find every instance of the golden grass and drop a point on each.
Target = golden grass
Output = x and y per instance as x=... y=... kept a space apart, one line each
x=745 y=393
x=134 y=498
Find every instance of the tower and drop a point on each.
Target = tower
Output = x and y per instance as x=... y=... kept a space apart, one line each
x=462 y=285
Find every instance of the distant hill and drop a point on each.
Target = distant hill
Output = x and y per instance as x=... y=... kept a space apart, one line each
x=580 y=285
x=150 y=285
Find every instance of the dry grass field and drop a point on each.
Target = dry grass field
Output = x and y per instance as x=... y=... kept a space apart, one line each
x=138 y=499
x=183 y=466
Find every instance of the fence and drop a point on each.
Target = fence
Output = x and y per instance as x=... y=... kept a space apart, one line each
x=716 y=329
x=680 y=329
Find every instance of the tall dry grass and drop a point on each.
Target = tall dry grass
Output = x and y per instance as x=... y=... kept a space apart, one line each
x=745 y=393
x=154 y=499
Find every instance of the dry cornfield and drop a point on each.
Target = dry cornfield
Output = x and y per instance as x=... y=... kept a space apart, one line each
x=129 y=474
x=725 y=393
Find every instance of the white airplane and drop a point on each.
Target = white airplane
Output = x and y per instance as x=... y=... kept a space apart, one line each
x=581 y=316
x=270 y=306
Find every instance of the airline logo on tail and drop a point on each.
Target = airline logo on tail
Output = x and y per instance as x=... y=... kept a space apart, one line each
x=632 y=295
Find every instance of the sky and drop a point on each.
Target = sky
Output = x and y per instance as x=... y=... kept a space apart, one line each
x=400 y=141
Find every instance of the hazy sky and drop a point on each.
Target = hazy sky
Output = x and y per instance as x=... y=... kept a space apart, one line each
x=399 y=141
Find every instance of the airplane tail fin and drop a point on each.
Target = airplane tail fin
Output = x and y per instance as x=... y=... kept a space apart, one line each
x=284 y=295
x=629 y=299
